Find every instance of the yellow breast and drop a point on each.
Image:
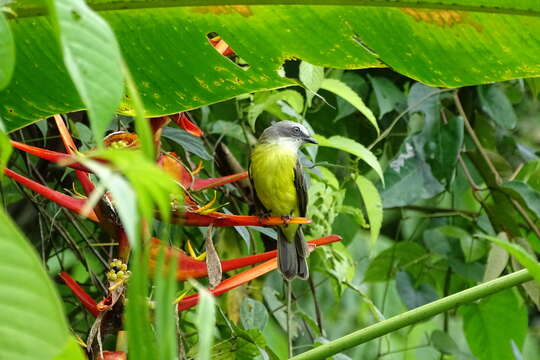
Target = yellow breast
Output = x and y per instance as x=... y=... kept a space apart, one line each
x=272 y=171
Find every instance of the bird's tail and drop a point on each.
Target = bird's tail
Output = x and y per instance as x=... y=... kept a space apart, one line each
x=292 y=255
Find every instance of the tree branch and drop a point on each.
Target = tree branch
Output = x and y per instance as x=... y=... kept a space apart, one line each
x=413 y=316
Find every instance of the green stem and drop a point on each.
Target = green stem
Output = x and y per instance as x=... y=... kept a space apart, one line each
x=414 y=316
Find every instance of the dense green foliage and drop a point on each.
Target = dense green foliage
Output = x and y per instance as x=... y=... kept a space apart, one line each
x=433 y=190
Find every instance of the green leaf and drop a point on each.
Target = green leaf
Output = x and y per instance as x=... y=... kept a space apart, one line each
x=136 y=197
x=472 y=248
x=443 y=147
x=141 y=341
x=352 y=147
x=253 y=314
x=524 y=258
x=444 y=343
x=496 y=262
x=408 y=178
x=31 y=312
x=493 y=323
x=530 y=174
x=525 y=194
x=177 y=69
x=373 y=203
x=412 y=296
x=495 y=103
x=165 y=280
x=92 y=58
x=5 y=148
x=342 y=90
x=205 y=321
x=269 y=101
x=534 y=86
x=142 y=125
x=126 y=203
x=404 y=255
x=358 y=85
x=312 y=77
x=7 y=52
x=189 y=142
x=389 y=97
x=72 y=351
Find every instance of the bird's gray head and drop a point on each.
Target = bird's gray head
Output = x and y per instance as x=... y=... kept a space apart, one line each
x=287 y=133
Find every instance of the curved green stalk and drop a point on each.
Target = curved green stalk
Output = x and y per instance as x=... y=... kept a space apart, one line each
x=413 y=316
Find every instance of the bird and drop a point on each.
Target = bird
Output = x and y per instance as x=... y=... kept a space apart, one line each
x=280 y=189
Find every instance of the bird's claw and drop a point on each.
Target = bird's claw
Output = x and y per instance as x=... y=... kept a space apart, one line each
x=264 y=216
x=286 y=219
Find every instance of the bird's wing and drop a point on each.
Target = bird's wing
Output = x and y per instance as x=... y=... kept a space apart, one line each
x=300 y=184
x=258 y=204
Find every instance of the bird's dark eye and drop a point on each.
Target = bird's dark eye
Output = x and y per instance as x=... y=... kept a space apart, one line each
x=296 y=130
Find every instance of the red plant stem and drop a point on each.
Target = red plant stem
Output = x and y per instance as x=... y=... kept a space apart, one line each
x=248 y=275
x=220 y=219
x=201 y=184
x=189 y=267
x=66 y=201
x=83 y=177
x=79 y=292
x=231 y=283
x=53 y=156
x=184 y=121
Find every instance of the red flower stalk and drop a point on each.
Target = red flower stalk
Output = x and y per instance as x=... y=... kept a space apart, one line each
x=248 y=275
x=79 y=292
x=186 y=218
x=52 y=156
x=66 y=201
x=173 y=166
x=182 y=119
x=83 y=177
x=189 y=267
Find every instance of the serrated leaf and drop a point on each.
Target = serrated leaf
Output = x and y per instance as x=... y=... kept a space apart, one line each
x=352 y=147
x=342 y=90
x=7 y=51
x=92 y=58
x=373 y=204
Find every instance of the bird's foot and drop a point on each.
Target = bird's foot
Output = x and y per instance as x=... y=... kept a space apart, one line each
x=286 y=219
x=264 y=216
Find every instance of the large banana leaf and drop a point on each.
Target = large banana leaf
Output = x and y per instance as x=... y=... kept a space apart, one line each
x=439 y=42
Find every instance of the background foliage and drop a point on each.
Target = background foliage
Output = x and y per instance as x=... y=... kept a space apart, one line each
x=445 y=165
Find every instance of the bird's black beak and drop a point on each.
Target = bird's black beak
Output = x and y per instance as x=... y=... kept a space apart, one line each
x=310 y=140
